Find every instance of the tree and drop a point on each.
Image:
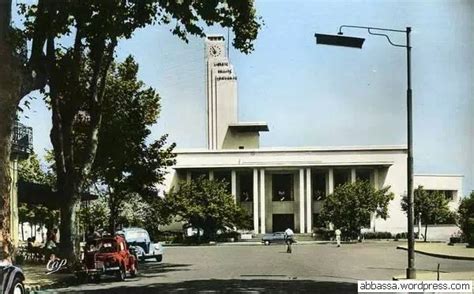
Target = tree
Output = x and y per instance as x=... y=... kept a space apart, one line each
x=30 y=170
x=95 y=27
x=206 y=204
x=94 y=213
x=466 y=218
x=351 y=206
x=125 y=164
x=432 y=207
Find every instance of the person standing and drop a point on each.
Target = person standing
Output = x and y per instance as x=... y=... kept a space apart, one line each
x=289 y=239
x=338 y=237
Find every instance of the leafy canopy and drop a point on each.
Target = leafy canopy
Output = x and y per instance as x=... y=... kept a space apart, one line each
x=432 y=206
x=207 y=205
x=351 y=205
x=466 y=218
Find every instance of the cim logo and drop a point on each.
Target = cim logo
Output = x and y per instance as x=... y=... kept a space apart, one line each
x=55 y=265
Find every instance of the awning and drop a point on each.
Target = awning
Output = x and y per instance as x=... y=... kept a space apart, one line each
x=32 y=193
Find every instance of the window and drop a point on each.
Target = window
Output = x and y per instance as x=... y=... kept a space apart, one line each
x=282 y=185
x=195 y=175
x=224 y=176
x=341 y=176
x=246 y=187
x=448 y=194
x=318 y=183
x=363 y=175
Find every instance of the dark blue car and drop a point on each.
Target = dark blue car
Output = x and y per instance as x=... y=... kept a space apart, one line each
x=11 y=279
x=277 y=237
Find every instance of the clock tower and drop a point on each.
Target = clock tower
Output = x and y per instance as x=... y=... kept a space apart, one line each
x=221 y=91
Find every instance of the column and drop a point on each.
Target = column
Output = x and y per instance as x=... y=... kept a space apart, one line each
x=262 y=201
x=331 y=181
x=309 y=202
x=353 y=175
x=188 y=176
x=211 y=175
x=255 y=200
x=302 y=226
x=233 y=184
x=376 y=178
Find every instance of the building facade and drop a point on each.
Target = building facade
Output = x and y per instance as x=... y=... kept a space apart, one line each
x=285 y=187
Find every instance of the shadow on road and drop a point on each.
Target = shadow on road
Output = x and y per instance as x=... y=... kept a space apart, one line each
x=236 y=286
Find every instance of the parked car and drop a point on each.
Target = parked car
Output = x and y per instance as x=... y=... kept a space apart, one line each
x=141 y=242
x=277 y=237
x=11 y=280
x=108 y=255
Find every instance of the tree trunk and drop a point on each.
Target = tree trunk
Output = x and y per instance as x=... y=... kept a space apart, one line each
x=68 y=228
x=22 y=231
x=10 y=84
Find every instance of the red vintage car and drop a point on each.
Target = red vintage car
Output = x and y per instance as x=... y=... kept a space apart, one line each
x=108 y=255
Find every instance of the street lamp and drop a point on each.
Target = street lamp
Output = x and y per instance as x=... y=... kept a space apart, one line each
x=340 y=40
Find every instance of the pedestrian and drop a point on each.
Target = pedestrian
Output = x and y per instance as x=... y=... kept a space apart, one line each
x=289 y=239
x=338 y=237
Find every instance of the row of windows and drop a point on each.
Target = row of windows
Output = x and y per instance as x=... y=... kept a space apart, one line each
x=283 y=184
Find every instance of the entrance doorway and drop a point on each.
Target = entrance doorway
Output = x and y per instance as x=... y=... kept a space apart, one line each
x=281 y=222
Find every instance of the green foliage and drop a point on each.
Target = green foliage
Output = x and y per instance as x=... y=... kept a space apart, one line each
x=432 y=207
x=207 y=205
x=30 y=170
x=94 y=213
x=351 y=205
x=466 y=218
x=128 y=166
x=377 y=235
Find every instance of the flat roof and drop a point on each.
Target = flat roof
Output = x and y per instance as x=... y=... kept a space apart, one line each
x=249 y=127
x=296 y=149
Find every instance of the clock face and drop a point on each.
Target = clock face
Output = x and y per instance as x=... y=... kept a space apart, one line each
x=215 y=50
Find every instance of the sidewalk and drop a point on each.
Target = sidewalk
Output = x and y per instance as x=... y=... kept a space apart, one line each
x=37 y=279
x=432 y=276
x=442 y=250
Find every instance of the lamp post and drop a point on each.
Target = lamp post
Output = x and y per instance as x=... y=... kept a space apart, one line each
x=340 y=40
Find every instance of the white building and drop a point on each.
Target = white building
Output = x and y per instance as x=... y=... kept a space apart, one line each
x=284 y=187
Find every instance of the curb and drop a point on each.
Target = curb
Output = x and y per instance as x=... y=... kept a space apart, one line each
x=439 y=255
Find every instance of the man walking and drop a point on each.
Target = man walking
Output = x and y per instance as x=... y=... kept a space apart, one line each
x=338 y=237
x=288 y=239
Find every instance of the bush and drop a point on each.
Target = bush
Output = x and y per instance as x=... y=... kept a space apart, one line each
x=324 y=234
x=404 y=235
x=169 y=237
x=226 y=236
x=377 y=235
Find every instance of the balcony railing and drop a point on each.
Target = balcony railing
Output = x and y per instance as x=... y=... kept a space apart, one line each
x=22 y=141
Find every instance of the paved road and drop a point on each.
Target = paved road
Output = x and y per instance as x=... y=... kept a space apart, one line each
x=269 y=269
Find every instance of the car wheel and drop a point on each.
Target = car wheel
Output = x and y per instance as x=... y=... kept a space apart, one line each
x=81 y=278
x=121 y=274
x=159 y=258
x=267 y=243
x=18 y=287
x=95 y=278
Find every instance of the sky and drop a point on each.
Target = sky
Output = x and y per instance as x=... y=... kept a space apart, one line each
x=313 y=95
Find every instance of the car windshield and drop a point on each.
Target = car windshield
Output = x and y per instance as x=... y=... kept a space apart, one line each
x=133 y=236
x=108 y=246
